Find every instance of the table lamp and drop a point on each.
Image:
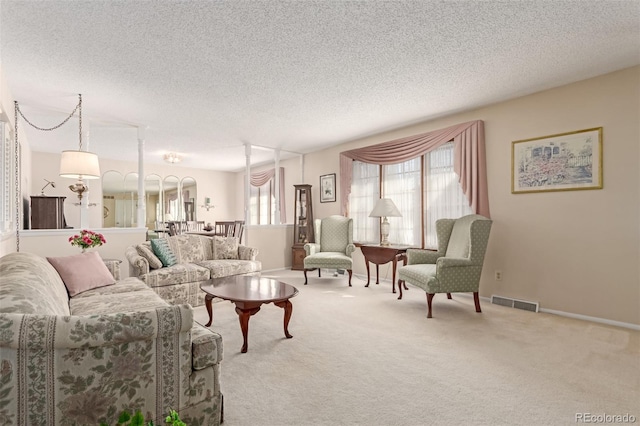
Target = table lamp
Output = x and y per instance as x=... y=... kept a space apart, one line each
x=385 y=208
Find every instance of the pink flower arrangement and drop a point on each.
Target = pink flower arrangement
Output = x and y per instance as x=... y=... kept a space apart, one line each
x=87 y=239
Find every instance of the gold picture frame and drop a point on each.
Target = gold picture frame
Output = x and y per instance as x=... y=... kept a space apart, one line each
x=562 y=162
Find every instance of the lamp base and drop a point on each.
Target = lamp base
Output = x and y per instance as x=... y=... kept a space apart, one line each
x=384 y=232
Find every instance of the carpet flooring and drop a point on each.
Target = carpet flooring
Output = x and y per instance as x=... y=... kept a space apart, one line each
x=359 y=356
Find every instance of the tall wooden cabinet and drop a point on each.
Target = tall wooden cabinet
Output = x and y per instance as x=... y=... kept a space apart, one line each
x=47 y=212
x=303 y=226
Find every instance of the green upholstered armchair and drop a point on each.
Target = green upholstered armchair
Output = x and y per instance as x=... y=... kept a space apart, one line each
x=333 y=246
x=456 y=266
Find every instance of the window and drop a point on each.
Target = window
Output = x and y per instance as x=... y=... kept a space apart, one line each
x=442 y=192
x=365 y=191
x=262 y=197
x=262 y=204
x=425 y=184
x=401 y=183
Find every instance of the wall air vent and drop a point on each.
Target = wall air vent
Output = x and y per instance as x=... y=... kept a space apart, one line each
x=514 y=303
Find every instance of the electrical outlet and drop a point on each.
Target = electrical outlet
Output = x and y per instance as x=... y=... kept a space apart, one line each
x=498 y=274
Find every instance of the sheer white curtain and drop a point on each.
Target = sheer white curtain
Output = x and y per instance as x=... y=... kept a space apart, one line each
x=365 y=191
x=254 y=195
x=443 y=193
x=401 y=183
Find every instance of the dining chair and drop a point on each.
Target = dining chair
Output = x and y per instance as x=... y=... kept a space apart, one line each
x=238 y=229
x=225 y=228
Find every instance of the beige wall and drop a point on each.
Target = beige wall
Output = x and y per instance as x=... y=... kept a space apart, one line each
x=574 y=251
x=273 y=243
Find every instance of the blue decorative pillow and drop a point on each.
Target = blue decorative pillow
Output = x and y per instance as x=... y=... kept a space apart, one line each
x=161 y=249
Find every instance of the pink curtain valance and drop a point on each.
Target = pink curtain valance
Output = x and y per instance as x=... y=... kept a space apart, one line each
x=260 y=178
x=468 y=156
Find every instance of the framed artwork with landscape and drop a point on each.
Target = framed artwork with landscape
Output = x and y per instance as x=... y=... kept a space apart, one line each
x=328 y=188
x=563 y=162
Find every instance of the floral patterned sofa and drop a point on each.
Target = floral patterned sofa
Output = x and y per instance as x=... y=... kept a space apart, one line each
x=199 y=258
x=85 y=359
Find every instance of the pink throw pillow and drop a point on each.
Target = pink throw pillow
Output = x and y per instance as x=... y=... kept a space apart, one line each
x=82 y=272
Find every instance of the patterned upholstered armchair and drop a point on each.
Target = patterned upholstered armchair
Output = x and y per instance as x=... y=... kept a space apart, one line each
x=456 y=266
x=334 y=236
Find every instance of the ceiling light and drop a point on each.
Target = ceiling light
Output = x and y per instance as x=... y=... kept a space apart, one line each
x=79 y=164
x=172 y=157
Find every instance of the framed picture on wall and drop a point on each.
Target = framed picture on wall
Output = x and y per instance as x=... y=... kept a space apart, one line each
x=563 y=162
x=328 y=188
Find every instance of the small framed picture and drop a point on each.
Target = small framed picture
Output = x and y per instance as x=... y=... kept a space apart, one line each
x=328 y=188
x=564 y=162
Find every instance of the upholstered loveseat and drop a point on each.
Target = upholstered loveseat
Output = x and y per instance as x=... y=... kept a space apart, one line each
x=82 y=360
x=198 y=258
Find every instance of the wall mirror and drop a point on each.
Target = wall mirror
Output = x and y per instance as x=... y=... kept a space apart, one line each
x=189 y=198
x=170 y=199
x=129 y=202
x=153 y=200
x=112 y=189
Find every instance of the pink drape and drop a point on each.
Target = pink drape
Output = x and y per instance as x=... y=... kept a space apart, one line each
x=469 y=160
x=260 y=178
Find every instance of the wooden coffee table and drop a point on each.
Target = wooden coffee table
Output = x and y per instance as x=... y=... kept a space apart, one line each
x=249 y=293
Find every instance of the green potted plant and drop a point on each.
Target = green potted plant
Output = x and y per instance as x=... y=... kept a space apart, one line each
x=137 y=419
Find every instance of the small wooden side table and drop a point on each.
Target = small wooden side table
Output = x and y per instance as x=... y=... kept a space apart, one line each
x=375 y=253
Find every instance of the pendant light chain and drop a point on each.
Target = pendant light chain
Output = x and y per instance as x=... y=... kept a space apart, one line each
x=79 y=107
x=17 y=156
x=48 y=129
x=17 y=153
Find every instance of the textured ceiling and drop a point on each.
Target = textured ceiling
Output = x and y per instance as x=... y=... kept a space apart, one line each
x=205 y=77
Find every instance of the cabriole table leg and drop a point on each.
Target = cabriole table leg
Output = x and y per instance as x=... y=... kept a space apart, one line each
x=288 y=309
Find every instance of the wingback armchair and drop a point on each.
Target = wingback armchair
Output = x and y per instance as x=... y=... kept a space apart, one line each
x=334 y=236
x=456 y=266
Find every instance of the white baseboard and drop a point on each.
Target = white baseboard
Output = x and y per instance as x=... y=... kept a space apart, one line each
x=577 y=316
x=592 y=319
x=547 y=311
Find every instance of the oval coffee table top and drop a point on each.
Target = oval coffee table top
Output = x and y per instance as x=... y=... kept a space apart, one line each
x=243 y=288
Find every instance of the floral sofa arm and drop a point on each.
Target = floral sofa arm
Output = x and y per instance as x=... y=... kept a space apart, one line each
x=114 y=267
x=87 y=369
x=247 y=253
x=138 y=265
